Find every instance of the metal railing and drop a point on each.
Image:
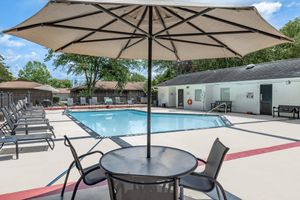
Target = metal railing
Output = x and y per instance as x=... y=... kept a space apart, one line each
x=225 y=110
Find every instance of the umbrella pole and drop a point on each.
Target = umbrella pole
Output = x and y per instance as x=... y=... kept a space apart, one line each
x=149 y=85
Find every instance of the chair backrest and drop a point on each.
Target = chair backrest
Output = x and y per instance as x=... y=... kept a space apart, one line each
x=70 y=102
x=75 y=156
x=126 y=187
x=8 y=119
x=82 y=100
x=118 y=99
x=94 y=100
x=215 y=159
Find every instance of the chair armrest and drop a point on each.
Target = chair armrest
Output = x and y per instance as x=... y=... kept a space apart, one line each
x=201 y=160
x=90 y=153
x=34 y=128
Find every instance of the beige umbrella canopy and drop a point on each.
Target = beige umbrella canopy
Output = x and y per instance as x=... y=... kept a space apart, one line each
x=119 y=29
x=149 y=29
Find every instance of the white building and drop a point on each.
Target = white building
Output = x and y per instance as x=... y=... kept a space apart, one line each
x=252 y=89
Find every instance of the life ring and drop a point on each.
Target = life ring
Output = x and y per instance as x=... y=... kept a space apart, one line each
x=189 y=101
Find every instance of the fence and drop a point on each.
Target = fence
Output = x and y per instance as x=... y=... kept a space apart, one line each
x=5 y=99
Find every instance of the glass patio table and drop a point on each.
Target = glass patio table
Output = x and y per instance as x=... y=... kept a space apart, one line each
x=164 y=162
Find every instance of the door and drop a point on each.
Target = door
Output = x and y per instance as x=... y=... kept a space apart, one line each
x=266 y=99
x=180 y=98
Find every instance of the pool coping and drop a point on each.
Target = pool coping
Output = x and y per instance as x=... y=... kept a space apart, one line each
x=97 y=136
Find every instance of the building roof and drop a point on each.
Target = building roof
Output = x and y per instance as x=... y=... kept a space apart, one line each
x=271 y=70
x=19 y=85
x=112 y=85
x=27 y=85
x=63 y=91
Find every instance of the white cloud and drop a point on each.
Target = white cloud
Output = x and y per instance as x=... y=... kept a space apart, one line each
x=267 y=9
x=6 y=40
x=293 y=4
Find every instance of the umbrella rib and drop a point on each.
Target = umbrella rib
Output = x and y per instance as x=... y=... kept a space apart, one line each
x=202 y=31
x=164 y=25
x=246 y=27
x=92 y=29
x=184 y=20
x=120 y=18
x=237 y=24
x=135 y=43
x=164 y=46
x=108 y=39
x=60 y=20
x=138 y=24
x=192 y=42
x=91 y=33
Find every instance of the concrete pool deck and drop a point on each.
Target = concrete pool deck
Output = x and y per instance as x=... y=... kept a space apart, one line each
x=261 y=164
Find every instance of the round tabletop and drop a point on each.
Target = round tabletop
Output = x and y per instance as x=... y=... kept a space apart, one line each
x=164 y=161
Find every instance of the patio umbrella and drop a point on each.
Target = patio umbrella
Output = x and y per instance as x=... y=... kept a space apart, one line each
x=153 y=30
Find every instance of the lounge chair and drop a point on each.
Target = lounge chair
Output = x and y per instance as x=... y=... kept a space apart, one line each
x=26 y=126
x=94 y=101
x=83 y=101
x=118 y=100
x=28 y=119
x=206 y=181
x=70 y=102
x=127 y=187
x=19 y=116
x=90 y=175
x=108 y=101
x=7 y=137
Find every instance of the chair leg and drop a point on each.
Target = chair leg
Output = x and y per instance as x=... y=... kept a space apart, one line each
x=181 y=193
x=17 y=150
x=222 y=190
x=76 y=187
x=66 y=179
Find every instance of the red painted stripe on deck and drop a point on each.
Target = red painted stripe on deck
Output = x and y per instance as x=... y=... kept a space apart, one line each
x=254 y=152
x=46 y=191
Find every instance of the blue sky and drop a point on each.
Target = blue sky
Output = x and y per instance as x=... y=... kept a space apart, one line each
x=18 y=52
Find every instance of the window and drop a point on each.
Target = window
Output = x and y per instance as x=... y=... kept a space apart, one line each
x=225 y=94
x=198 y=95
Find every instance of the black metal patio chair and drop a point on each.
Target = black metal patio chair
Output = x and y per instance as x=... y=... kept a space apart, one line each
x=127 y=187
x=90 y=176
x=206 y=181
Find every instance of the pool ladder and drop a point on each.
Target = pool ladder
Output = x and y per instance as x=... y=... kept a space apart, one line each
x=218 y=107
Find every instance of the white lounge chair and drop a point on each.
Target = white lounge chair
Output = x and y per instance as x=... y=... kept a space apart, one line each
x=94 y=101
x=83 y=101
x=70 y=102
x=108 y=101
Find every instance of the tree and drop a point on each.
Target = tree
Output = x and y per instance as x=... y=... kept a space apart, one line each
x=93 y=68
x=5 y=75
x=35 y=71
x=60 y=83
x=136 y=77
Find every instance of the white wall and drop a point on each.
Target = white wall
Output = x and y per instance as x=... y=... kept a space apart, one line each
x=172 y=97
x=163 y=96
x=283 y=94
x=238 y=96
x=286 y=94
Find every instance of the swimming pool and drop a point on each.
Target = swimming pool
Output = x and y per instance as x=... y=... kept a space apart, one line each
x=133 y=122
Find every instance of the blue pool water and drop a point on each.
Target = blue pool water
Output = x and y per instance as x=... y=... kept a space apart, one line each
x=130 y=122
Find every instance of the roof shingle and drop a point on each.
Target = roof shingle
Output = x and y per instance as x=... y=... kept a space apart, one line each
x=271 y=70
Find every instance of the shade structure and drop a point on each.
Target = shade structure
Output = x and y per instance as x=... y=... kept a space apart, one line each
x=153 y=30
x=47 y=88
